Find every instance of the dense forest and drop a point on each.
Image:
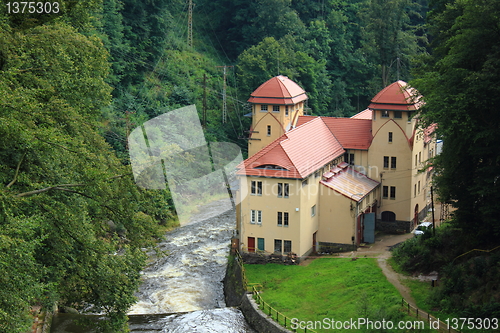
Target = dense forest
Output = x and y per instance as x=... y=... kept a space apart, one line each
x=75 y=83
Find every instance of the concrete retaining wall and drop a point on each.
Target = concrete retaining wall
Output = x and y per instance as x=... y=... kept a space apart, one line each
x=396 y=227
x=235 y=295
x=258 y=319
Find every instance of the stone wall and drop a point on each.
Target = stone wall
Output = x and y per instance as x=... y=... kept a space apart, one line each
x=325 y=247
x=396 y=227
x=258 y=319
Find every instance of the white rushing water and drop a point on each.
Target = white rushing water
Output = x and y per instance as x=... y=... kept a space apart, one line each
x=182 y=290
x=188 y=278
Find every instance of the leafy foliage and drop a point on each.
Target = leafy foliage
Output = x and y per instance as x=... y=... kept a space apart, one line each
x=460 y=82
x=63 y=188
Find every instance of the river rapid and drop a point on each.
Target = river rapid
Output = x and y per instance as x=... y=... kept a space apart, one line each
x=182 y=289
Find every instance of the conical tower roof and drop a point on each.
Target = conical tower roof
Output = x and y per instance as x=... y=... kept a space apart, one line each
x=279 y=90
x=396 y=96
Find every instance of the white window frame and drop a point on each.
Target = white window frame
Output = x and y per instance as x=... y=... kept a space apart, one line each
x=255 y=216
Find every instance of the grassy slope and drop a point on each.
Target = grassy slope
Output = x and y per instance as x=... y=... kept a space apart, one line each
x=328 y=288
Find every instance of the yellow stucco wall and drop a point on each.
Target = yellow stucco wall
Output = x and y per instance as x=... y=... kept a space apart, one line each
x=337 y=220
x=278 y=121
x=399 y=177
x=270 y=204
x=421 y=181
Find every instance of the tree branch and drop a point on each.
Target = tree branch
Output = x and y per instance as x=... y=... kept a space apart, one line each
x=17 y=171
x=63 y=187
x=56 y=187
x=57 y=145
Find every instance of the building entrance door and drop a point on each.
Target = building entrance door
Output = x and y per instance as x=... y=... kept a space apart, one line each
x=251 y=244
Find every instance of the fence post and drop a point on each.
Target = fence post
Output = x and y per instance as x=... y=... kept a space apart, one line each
x=408 y=308
x=417 y=313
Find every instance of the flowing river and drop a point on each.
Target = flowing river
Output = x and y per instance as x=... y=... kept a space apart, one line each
x=182 y=290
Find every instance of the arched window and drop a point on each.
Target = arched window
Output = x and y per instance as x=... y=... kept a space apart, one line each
x=388 y=216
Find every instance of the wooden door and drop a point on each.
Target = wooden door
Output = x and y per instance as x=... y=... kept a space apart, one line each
x=251 y=244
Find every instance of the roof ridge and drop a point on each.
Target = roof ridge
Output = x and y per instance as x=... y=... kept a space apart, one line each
x=341 y=145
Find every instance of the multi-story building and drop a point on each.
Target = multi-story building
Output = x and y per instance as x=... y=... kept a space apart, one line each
x=327 y=182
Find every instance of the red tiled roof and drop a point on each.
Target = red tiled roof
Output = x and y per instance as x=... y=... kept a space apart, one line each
x=352 y=133
x=300 y=151
x=428 y=133
x=396 y=96
x=279 y=90
x=349 y=182
x=365 y=114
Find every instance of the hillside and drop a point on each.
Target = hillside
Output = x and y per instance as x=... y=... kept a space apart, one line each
x=75 y=82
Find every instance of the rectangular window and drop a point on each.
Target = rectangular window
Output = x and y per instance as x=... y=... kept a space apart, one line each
x=268 y=130
x=385 y=192
x=415 y=160
x=419 y=156
x=256 y=188
x=385 y=114
x=313 y=210
x=415 y=190
x=263 y=108
x=393 y=192
x=260 y=244
x=285 y=219
x=287 y=246
x=280 y=219
x=304 y=182
x=276 y=108
x=419 y=187
x=256 y=216
x=386 y=162
x=286 y=110
x=398 y=114
x=277 y=245
x=393 y=162
x=283 y=189
x=351 y=159
x=390 y=136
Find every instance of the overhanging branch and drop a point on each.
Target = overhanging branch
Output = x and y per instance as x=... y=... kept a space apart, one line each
x=17 y=172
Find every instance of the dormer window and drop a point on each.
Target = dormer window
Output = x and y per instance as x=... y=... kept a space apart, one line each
x=270 y=167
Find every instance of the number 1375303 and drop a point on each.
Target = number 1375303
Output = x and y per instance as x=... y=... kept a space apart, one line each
x=33 y=7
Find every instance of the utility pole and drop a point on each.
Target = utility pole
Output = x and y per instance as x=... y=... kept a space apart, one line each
x=205 y=100
x=432 y=205
x=190 y=23
x=224 y=100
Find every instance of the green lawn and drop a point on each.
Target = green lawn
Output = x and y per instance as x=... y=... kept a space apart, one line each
x=334 y=288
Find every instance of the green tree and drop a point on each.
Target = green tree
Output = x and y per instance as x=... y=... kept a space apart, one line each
x=72 y=221
x=460 y=82
x=389 y=39
x=285 y=57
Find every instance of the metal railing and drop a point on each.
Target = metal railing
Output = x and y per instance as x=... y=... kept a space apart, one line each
x=274 y=314
x=434 y=323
